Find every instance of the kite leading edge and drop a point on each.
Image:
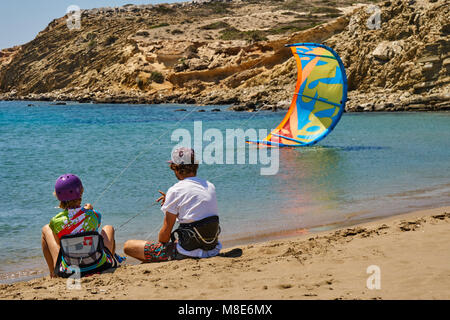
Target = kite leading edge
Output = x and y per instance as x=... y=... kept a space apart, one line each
x=319 y=98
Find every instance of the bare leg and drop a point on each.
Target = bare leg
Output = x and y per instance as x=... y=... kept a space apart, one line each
x=108 y=238
x=50 y=248
x=135 y=249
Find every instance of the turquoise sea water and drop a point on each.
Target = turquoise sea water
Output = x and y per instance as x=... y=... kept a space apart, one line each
x=372 y=165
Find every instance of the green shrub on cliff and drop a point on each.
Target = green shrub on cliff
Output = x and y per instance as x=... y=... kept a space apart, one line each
x=211 y=8
x=163 y=9
x=157 y=77
x=140 y=82
x=255 y=35
x=325 y=10
x=232 y=33
x=110 y=40
x=216 y=25
x=217 y=7
x=292 y=5
x=92 y=44
x=91 y=36
x=159 y=25
x=294 y=26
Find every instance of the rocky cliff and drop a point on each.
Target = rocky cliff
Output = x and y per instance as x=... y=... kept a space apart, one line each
x=403 y=65
x=232 y=52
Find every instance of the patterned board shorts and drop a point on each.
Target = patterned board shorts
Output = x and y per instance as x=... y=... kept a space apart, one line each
x=157 y=251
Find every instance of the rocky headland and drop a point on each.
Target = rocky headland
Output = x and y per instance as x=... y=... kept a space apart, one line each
x=396 y=54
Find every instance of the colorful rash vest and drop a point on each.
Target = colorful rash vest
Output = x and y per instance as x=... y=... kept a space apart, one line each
x=72 y=221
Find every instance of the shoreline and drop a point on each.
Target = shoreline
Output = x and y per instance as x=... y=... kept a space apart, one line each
x=321 y=255
x=35 y=270
x=412 y=106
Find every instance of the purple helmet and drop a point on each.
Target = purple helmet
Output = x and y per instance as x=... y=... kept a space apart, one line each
x=68 y=187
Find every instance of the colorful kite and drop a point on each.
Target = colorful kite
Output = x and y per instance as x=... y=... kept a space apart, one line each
x=319 y=99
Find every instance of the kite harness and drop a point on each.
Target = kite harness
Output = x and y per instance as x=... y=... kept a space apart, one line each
x=202 y=234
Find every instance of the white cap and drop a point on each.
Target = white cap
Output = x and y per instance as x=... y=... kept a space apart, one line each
x=183 y=155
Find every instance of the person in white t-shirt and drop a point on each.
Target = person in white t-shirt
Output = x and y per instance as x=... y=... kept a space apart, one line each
x=192 y=202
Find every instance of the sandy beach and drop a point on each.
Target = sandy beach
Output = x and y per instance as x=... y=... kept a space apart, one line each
x=405 y=256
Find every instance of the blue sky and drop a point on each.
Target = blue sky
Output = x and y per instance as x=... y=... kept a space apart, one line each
x=21 y=20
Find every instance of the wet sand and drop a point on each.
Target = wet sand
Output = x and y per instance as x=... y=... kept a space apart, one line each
x=404 y=257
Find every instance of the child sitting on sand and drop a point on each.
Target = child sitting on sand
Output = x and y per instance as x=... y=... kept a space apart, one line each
x=74 y=220
x=192 y=201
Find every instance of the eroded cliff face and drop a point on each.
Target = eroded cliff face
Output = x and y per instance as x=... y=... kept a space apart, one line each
x=401 y=64
x=225 y=52
x=405 y=64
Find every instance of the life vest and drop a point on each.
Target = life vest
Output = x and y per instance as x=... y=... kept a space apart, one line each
x=202 y=234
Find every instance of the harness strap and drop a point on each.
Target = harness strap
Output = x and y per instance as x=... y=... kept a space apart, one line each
x=203 y=239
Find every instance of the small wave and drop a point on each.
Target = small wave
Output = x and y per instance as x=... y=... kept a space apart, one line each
x=11 y=277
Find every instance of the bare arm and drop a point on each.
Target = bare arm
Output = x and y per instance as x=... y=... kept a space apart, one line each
x=166 y=230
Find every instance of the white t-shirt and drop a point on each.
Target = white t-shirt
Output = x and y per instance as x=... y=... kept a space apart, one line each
x=192 y=199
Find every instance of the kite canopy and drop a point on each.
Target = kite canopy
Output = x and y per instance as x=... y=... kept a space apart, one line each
x=319 y=99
